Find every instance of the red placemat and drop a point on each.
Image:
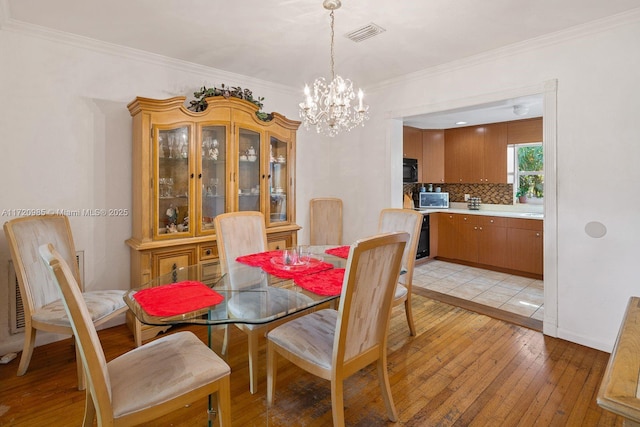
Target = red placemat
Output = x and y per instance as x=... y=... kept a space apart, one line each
x=340 y=251
x=177 y=298
x=259 y=259
x=323 y=283
x=292 y=272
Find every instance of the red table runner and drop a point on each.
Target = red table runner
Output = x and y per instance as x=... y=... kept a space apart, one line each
x=259 y=259
x=323 y=283
x=340 y=251
x=264 y=261
x=177 y=298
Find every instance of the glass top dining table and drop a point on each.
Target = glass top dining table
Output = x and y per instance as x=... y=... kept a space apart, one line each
x=245 y=294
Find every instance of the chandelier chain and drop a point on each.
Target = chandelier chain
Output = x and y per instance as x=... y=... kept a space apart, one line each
x=333 y=64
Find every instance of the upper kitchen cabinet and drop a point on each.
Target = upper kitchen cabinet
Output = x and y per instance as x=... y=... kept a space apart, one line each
x=411 y=142
x=433 y=156
x=494 y=154
x=412 y=146
x=524 y=131
x=427 y=146
x=463 y=154
x=189 y=167
x=476 y=154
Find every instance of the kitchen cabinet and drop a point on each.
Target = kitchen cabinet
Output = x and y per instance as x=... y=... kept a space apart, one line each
x=467 y=238
x=463 y=154
x=494 y=154
x=491 y=241
x=525 y=245
x=448 y=236
x=433 y=156
x=476 y=239
x=412 y=147
x=188 y=167
x=476 y=154
x=523 y=131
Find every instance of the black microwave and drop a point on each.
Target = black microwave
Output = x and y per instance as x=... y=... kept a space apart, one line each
x=409 y=170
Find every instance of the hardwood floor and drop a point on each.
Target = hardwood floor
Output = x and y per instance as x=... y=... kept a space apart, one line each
x=462 y=369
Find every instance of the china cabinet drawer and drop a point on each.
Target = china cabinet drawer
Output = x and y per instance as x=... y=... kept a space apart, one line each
x=166 y=262
x=208 y=252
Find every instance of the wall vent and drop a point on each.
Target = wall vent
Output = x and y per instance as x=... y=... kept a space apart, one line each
x=16 y=309
x=364 y=33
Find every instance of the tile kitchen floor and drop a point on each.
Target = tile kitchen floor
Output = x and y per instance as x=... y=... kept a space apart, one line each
x=514 y=294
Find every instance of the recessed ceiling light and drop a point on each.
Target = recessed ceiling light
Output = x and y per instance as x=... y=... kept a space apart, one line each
x=461 y=123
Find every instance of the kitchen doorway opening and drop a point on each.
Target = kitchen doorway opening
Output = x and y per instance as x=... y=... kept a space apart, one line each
x=547 y=92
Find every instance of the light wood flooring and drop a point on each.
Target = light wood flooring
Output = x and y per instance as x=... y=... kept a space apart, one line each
x=462 y=369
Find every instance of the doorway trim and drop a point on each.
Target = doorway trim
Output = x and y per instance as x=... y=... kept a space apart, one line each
x=548 y=89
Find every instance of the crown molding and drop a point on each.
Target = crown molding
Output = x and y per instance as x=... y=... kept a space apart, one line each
x=576 y=32
x=56 y=36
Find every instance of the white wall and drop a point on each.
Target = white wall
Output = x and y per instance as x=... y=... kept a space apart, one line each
x=66 y=141
x=67 y=145
x=598 y=99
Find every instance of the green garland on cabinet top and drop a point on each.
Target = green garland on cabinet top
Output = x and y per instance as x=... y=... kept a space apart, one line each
x=200 y=104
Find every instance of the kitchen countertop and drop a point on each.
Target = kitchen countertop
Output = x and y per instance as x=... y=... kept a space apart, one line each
x=490 y=210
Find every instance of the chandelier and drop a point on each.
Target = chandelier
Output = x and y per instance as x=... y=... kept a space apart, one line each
x=328 y=105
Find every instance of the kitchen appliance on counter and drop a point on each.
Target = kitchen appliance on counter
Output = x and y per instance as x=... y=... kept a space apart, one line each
x=409 y=170
x=433 y=200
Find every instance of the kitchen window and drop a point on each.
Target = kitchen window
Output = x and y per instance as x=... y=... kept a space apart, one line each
x=525 y=169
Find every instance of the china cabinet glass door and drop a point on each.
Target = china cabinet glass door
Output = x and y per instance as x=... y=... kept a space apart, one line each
x=248 y=170
x=212 y=174
x=172 y=180
x=278 y=180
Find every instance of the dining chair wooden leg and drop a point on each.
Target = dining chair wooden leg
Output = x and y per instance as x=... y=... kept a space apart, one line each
x=337 y=402
x=82 y=382
x=407 y=310
x=89 y=411
x=383 y=377
x=224 y=401
x=27 y=350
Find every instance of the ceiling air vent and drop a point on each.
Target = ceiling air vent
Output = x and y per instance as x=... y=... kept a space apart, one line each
x=365 y=32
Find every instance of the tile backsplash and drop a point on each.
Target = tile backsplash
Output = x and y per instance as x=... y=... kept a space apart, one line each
x=497 y=194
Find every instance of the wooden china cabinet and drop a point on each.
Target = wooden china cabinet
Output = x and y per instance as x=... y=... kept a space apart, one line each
x=189 y=167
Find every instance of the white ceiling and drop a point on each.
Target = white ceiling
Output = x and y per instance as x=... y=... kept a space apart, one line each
x=287 y=41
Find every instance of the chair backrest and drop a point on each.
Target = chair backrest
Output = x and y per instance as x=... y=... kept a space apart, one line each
x=90 y=349
x=325 y=221
x=408 y=221
x=370 y=279
x=24 y=236
x=239 y=233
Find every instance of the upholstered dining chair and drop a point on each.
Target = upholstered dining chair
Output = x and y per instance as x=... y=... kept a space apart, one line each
x=244 y=233
x=43 y=308
x=334 y=344
x=409 y=221
x=147 y=382
x=325 y=221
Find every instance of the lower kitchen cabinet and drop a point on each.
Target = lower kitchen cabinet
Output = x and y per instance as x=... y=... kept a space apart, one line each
x=492 y=241
x=525 y=245
x=447 y=236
